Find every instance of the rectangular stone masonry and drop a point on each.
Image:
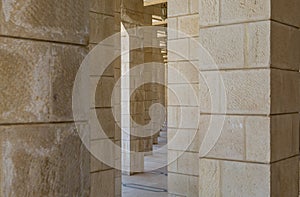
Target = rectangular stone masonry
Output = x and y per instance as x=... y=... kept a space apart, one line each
x=285 y=91
x=194 y=6
x=187 y=72
x=103 y=6
x=236 y=46
x=37 y=80
x=183 y=117
x=183 y=95
x=102 y=126
x=97 y=24
x=285 y=46
x=66 y=62
x=188 y=25
x=103 y=183
x=235 y=92
x=228 y=178
x=184 y=139
x=249 y=45
x=182 y=185
x=103 y=150
x=209 y=12
x=30 y=19
x=32 y=156
x=247 y=138
x=178 y=50
x=215 y=12
x=178 y=7
x=235 y=11
x=104 y=89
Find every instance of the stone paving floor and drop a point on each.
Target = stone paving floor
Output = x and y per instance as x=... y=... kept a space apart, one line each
x=153 y=182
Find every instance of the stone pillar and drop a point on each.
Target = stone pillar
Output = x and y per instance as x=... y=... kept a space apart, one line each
x=256 y=47
x=183 y=156
x=132 y=108
x=105 y=179
x=41 y=48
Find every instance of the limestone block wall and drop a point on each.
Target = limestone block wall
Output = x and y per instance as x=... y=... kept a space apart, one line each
x=255 y=46
x=105 y=179
x=261 y=79
x=183 y=141
x=42 y=45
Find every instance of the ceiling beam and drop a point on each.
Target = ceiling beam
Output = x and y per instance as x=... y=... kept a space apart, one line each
x=153 y=2
x=160 y=23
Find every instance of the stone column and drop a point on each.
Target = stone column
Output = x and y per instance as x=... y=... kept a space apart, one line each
x=105 y=178
x=42 y=44
x=183 y=145
x=256 y=47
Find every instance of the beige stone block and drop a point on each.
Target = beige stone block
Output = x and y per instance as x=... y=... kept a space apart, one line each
x=285 y=92
x=183 y=95
x=248 y=138
x=183 y=117
x=246 y=91
x=103 y=150
x=188 y=163
x=234 y=181
x=172 y=160
x=118 y=187
x=286 y=11
x=227 y=178
x=234 y=11
x=37 y=81
x=285 y=47
x=103 y=126
x=258 y=44
x=230 y=143
x=193 y=186
x=209 y=183
x=225 y=45
x=194 y=6
x=98 y=62
x=103 y=6
x=177 y=183
x=183 y=139
x=97 y=165
x=103 y=184
x=178 y=50
x=36 y=20
x=182 y=185
x=244 y=138
x=187 y=71
x=67 y=60
x=178 y=7
x=258 y=139
x=100 y=27
x=194 y=49
x=209 y=12
x=32 y=156
x=25 y=81
x=172 y=28
x=236 y=46
x=188 y=25
x=104 y=88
